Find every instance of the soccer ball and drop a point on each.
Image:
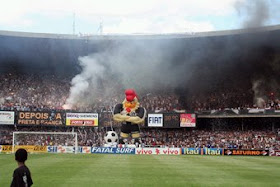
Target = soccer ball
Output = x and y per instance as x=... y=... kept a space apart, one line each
x=111 y=137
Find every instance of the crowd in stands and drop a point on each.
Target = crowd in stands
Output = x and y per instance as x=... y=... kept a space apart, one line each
x=211 y=139
x=30 y=92
x=33 y=92
x=251 y=139
x=26 y=92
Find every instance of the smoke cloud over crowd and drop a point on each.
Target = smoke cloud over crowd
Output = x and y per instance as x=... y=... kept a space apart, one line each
x=136 y=64
x=186 y=67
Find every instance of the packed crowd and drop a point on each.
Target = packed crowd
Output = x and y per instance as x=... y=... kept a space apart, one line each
x=86 y=136
x=27 y=92
x=33 y=92
x=150 y=138
x=212 y=139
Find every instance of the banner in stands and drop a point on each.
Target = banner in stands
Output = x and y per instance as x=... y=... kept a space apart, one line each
x=5 y=149
x=158 y=151
x=112 y=150
x=213 y=151
x=246 y=152
x=192 y=151
x=40 y=118
x=32 y=148
x=274 y=153
x=82 y=119
x=65 y=149
x=203 y=151
x=187 y=120
x=171 y=120
x=7 y=118
x=52 y=149
x=85 y=149
x=155 y=120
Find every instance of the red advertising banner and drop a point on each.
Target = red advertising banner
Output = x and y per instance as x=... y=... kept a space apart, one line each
x=274 y=153
x=246 y=152
x=187 y=120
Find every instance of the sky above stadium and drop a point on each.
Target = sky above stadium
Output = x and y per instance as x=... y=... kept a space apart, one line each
x=134 y=16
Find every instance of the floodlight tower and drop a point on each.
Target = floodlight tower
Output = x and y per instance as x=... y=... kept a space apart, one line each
x=100 y=28
x=74 y=17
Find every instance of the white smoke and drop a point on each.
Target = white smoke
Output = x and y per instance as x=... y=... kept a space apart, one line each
x=259 y=93
x=136 y=65
x=2 y=100
x=88 y=78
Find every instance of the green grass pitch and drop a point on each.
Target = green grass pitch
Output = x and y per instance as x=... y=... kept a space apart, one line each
x=54 y=170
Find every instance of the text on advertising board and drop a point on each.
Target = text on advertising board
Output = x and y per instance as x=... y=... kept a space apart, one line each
x=171 y=120
x=7 y=117
x=187 y=120
x=40 y=118
x=246 y=152
x=155 y=120
x=112 y=150
x=192 y=151
x=158 y=151
x=81 y=119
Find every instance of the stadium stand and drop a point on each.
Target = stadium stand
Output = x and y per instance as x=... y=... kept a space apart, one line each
x=36 y=73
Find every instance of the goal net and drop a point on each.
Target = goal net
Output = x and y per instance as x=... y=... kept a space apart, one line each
x=28 y=139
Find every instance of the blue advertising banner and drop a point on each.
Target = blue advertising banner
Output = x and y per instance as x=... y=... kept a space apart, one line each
x=203 y=151
x=192 y=151
x=52 y=149
x=112 y=150
x=213 y=151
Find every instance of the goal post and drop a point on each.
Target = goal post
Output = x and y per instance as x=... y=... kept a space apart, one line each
x=43 y=139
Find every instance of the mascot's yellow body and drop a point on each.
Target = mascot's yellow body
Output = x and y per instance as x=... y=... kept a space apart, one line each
x=130 y=114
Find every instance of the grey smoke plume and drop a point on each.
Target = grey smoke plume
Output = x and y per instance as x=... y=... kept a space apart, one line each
x=87 y=78
x=255 y=13
x=187 y=67
x=2 y=100
x=266 y=77
x=259 y=93
x=137 y=65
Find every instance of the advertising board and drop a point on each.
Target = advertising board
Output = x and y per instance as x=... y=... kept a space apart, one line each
x=112 y=150
x=40 y=118
x=213 y=151
x=7 y=118
x=274 y=153
x=246 y=152
x=158 y=151
x=187 y=120
x=155 y=120
x=32 y=148
x=6 y=148
x=171 y=120
x=192 y=151
x=82 y=119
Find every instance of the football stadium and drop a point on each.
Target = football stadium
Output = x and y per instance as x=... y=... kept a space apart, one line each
x=178 y=109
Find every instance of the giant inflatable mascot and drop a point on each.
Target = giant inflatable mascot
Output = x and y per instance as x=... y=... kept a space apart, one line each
x=130 y=114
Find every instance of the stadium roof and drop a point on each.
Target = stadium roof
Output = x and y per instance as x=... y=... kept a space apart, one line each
x=142 y=36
